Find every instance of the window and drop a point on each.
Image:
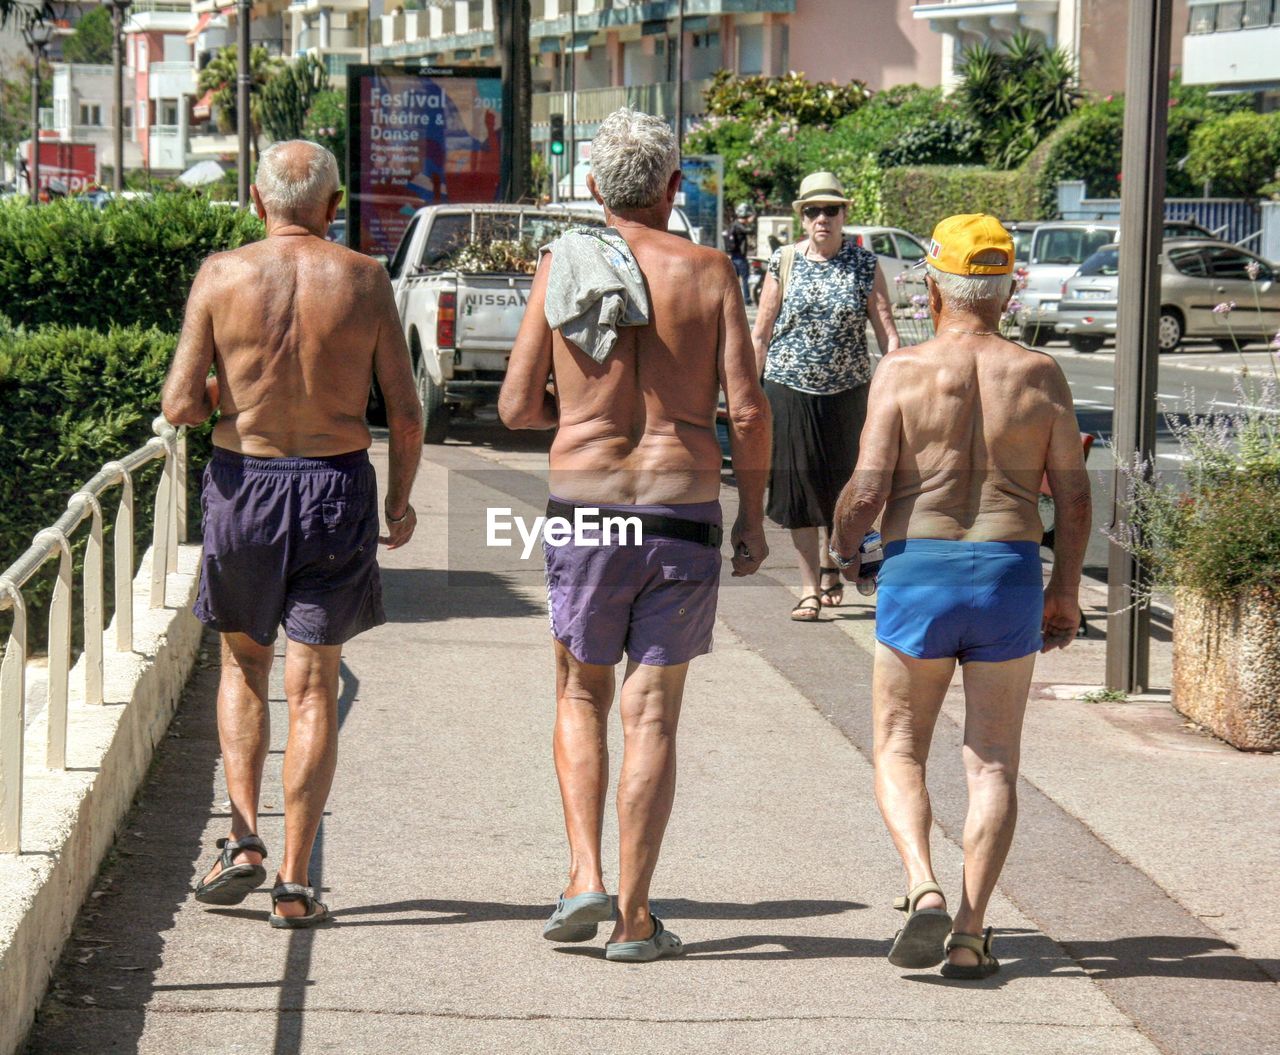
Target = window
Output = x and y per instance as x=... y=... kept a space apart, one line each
x=750 y=49
x=128 y=117
x=1105 y=262
x=1069 y=245
x=449 y=233
x=91 y=115
x=168 y=112
x=397 y=261
x=475 y=15
x=1231 y=263
x=1202 y=19
x=882 y=245
x=909 y=249
x=1188 y=261
x=1256 y=13
x=1230 y=16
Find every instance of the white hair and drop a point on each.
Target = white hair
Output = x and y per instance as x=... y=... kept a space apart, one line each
x=632 y=157
x=292 y=179
x=971 y=292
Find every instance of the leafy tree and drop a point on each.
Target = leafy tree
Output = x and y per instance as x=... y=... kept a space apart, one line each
x=15 y=102
x=1237 y=153
x=326 y=124
x=219 y=77
x=792 y=97
x=91 y=42
x=287 y=97
x=1017 y=96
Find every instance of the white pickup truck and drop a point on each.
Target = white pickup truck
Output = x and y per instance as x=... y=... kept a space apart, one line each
x=460 y=324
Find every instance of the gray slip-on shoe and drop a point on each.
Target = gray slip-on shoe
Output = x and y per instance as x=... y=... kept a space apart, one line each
x=660 y=944
x=576 y=918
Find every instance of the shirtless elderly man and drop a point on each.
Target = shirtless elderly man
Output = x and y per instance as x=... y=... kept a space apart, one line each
x=635 y=414
x=295 y=327
x=960 y=432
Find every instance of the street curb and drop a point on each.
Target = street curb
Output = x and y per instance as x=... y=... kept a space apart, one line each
x=1067 y=353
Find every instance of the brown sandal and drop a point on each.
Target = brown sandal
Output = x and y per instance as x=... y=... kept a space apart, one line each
x=802 y=613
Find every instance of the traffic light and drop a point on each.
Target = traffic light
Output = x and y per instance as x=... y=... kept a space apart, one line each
x=557 y=134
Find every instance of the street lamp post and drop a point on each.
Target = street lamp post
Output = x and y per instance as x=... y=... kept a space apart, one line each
x=243 y=81
x=37 y=35
x=119 y=8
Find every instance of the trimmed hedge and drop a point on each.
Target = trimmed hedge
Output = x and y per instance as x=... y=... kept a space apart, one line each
x=132 y=263
x=917 y=198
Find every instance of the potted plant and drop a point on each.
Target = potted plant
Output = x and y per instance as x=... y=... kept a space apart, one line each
x=1210 y=535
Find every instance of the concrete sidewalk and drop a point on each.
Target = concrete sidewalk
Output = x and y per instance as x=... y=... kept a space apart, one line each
x=1145 y=852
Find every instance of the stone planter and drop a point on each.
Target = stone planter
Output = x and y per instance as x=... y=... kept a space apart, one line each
x=1226 y=666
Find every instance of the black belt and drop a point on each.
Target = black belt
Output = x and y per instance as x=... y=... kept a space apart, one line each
x=651 y=523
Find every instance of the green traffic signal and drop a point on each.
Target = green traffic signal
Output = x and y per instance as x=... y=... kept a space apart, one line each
x=557 y=134
x=557 y=147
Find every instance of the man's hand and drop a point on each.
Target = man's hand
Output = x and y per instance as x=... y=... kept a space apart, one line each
x=850 y=574
x=1061 y=620
x=749 y=548
x=401 y=531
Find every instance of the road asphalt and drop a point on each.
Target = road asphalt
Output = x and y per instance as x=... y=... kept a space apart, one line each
x=1136 y=914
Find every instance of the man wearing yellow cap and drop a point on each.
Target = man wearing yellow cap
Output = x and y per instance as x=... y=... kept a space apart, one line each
x=960 y=432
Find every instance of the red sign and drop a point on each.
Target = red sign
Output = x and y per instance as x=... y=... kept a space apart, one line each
x=72 y=165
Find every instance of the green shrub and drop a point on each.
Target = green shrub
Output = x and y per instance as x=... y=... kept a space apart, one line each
x=1237 y=153
x=132 y=263
x=326 y=124
x=1085 y=147
x=917 y=198
x=792 y=97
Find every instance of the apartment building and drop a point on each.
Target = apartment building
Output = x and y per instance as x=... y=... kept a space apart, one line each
x=162 y=85
x=84 y=112
x=336 y=32
x=1234 y=45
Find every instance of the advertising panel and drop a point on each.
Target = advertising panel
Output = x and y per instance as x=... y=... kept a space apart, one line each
x=419 y=135
x=703 y=185
x=65 y=168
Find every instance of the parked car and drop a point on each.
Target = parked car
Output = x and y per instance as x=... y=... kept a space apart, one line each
x=460 y=325
x=1057 y=250
x=899 y=253
x=1021 y=232
x=1196 y=275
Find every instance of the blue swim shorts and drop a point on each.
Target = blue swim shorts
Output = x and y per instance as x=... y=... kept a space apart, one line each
x=979 y=601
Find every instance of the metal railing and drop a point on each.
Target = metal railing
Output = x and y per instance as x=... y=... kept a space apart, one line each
x=86 y=504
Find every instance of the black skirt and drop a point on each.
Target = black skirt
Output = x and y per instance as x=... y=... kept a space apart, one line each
x=815 y=447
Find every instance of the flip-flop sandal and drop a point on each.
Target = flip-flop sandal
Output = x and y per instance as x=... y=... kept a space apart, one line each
x=660 y=944
x=920 y=941
x=236 y=881
x=987 y=964
x=577 y=918
x=801 y=613
x=296 y=892
x=826 y=592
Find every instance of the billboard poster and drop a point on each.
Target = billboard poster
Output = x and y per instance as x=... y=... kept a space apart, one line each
x=419 y=135
x=703 y=185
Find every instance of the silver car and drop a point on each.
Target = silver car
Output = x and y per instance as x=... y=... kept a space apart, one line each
x=1197 y=277
x=899 y=251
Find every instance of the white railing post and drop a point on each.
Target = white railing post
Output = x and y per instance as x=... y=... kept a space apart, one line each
x=182 y=486
x=13 y=692
x=94 y=629
x=124 y=560
x=160 y=529
x=57 y=692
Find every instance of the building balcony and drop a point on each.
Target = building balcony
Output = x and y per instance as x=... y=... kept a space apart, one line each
x=171 y=80
x=595 y=104
x=159 y=16
x=166 y=148
x=551 y=18
x=308 y=7
x=972 y=21
x=1233 y=45
x=339 y=40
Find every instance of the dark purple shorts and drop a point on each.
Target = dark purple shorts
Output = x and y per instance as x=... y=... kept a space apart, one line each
x=292 y=541
x=655 y=601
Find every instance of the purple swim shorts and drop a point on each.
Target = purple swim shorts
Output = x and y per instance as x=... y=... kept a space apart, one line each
x=292 y=541
x=655 y=601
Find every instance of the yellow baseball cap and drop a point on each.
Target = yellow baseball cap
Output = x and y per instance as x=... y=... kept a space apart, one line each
x=957 y=240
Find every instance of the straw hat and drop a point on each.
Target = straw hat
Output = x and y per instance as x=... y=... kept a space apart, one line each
x=820 y=188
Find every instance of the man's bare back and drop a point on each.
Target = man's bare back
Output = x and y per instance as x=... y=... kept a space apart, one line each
x=640 y=427
x=976 y=416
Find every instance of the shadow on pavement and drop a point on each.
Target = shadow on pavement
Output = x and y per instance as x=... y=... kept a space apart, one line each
x=428 y=595
x=1164 y=956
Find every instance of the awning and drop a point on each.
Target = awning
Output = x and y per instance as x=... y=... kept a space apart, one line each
x=201 y=23
x=203 y=107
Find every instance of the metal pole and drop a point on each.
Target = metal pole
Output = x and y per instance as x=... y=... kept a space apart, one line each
x=34 y=170
x=117 y=67
x=572 y=152
x=1141 y=220
x=680 y=77
x=243 y=82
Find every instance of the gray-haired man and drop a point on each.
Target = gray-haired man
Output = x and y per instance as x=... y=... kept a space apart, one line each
x=960 y=431
x=635 y=408
x=296 y=326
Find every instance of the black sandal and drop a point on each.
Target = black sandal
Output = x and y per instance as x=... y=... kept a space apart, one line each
x=297 y=892
x=801 y=612
x=234 y=882
x=826 y=592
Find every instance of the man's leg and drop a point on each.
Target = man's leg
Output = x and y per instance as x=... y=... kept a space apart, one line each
x=584 y=694
x=650 y=705
x=244 y=731
x=311 y=687
x=995 y=701
x=906 y=697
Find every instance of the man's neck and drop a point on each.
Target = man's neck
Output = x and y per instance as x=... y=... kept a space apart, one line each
x=294 y=228
x=654 y=218
x=967 y=322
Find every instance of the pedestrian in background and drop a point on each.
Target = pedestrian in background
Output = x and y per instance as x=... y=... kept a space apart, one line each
x=811 y=348
x=736 y=240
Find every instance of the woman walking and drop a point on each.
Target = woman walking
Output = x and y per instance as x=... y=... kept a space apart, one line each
x=811 y=348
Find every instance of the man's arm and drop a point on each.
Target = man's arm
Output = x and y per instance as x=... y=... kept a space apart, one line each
x=880 y=312
x=404 y=414
x=1072 y=517
x=868 y=488
x=190 y=394
x=750 y=426
x=524 y=402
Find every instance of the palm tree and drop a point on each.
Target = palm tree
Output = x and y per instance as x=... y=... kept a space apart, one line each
x=220 y=76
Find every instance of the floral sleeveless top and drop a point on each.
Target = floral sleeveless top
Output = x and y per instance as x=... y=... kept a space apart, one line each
x=819 y=340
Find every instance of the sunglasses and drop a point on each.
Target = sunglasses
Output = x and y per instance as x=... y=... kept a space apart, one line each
x=812 y=212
